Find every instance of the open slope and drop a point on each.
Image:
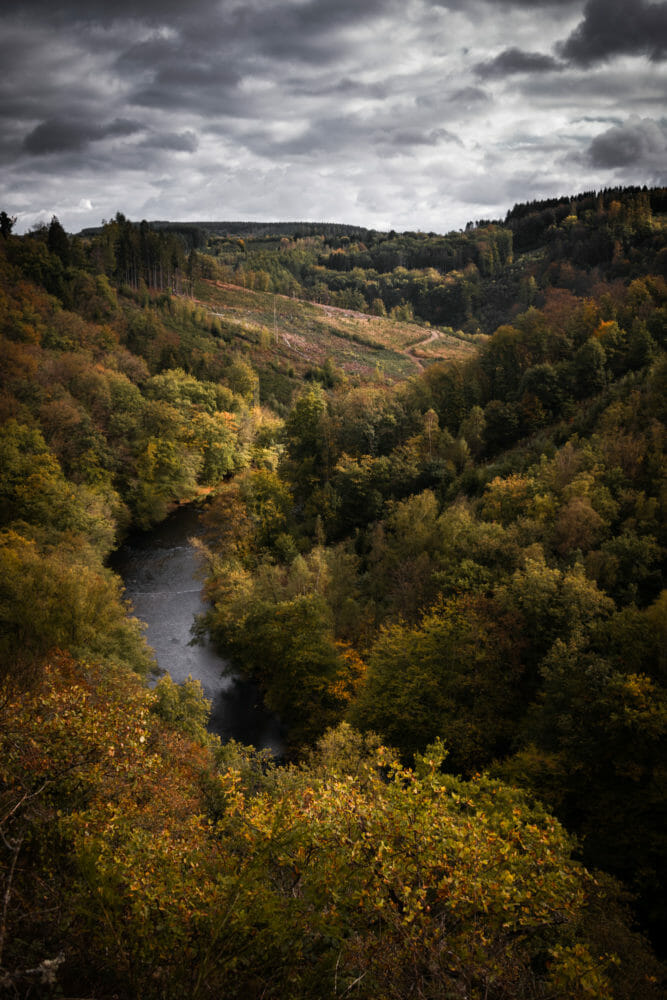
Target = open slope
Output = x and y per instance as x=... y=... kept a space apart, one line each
x=306 y=334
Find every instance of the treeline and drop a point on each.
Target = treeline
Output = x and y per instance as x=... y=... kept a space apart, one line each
x=472 y=280
x=531 y=221
x=143 y=256
x=467 y=567
x=289 y=229
x=129 y=255
x=196 y=232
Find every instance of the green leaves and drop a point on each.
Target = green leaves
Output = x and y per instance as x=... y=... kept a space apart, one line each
x=456 y=675
x=183 y=706
x=57 y=600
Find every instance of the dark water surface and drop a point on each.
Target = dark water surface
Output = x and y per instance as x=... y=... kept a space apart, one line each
x=159 y=570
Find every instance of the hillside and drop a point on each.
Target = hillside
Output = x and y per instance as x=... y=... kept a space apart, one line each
x=304 y=334
x=434 y=537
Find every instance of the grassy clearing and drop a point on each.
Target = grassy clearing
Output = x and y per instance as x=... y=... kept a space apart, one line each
x=305 y=334
x=443 y=346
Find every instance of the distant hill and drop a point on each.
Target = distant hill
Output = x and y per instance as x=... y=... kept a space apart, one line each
x=294 y=229
x=560 y=206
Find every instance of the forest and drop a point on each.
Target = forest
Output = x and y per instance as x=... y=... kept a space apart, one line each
x=432 y=481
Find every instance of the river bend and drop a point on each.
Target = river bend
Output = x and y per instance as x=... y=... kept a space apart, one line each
x=159 y=571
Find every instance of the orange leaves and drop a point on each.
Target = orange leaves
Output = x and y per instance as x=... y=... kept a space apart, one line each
x=346 y=684
x=80 y=748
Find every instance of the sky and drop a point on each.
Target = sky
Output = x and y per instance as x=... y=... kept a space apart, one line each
x=390 y=114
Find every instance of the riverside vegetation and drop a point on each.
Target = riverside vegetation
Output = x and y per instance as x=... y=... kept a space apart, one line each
x=434 y=536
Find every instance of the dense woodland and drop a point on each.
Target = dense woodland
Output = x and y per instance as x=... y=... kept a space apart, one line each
x=449 y=586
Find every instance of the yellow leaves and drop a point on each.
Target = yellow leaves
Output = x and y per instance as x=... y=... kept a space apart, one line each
x=507 y=498
x=576 y=973
x=389 y=866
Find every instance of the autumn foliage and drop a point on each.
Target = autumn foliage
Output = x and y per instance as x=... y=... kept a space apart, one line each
x=451 y=589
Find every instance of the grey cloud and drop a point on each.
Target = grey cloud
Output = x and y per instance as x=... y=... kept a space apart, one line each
x=344 y=87
x=469 y=95
x=452 y=104
x=141 y=57
x=339 y=137
x=177 y=142
x=525 y=4
x=618 y=27
x=639 y=88
x=286 y=31
x=513 y=61
x=355 y=88
x=640 y=142
x=42 y=76
x=327 y=135
x=59 y=135
x=310 y=102
x=13 y=57
x=600 y=119
x=403 y=138
x=334 y=135
x=538 y=3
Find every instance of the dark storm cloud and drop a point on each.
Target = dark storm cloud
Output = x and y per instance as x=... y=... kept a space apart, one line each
x=176 y=62
x=200 y=64
x=171 y=73
x=618 y=27
x=640 y=142
x=103 y=12
x=307 y=31
x=60 y=135
x=213 y=41
x=513 y=61
x=41 y=75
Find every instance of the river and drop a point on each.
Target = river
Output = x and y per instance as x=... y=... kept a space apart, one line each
x=159 y=571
